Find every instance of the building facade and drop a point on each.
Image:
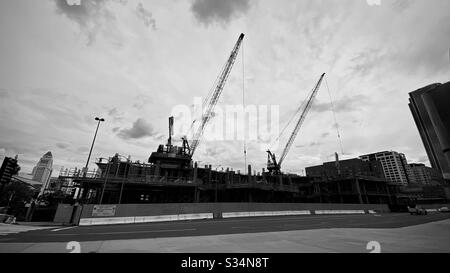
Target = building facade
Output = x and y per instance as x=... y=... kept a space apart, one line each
x=43 y=171
x=431 y=112
x=394 y=166
x=423 y=175
x=347 y=168
x=349 y=181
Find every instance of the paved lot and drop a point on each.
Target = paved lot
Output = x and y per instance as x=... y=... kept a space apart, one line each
x=346 y=233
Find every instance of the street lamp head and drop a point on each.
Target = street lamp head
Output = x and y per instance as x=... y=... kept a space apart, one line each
x=99 y=119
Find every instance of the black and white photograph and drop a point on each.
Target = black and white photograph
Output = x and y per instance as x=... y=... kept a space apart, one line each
x=224 y=132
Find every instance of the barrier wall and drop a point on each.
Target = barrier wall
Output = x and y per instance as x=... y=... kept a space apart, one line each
x=434 y=206
x=143 y=213
x=63 y=214
x=67 y=214
x=126 y=210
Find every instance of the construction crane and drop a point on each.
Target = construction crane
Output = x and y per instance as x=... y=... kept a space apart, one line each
x=274 y=166
x=214 y=97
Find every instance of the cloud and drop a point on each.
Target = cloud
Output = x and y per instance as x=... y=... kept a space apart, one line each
x=2 y=154
x=113 y=112
x=83 y=149
x=139 y=129
x=422 y=159
x=346 y=104
x=142 y=101
x=145 y=16
x=116 y=115
x=209 y=11
x=62 y=145
x=401 y=5
x=216 y=150
x=90 y=15
x=366 y=61
x=311 y=144
x=4 y=93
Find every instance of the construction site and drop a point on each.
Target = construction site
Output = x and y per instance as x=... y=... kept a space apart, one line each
x=171 y=175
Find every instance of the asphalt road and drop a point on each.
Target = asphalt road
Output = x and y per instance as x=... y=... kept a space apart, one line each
x=220 y=226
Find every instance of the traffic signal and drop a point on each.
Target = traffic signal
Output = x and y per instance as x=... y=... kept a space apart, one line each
x=9 y=168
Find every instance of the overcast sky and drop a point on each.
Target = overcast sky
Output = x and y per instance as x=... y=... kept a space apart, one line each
x=131 y=62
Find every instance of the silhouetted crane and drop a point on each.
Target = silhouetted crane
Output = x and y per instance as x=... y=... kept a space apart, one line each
x=274 y=166
x=214 y=97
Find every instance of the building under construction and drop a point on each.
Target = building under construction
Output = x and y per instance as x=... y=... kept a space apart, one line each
x=171 y=175
x=122 y=181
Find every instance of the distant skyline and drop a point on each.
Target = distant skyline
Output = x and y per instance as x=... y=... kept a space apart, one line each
x=131 y=62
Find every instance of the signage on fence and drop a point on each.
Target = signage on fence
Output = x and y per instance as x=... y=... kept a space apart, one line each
x=104 y=210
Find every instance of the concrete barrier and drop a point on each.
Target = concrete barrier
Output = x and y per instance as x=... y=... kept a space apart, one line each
x=433 y=206
x=339 y=212
x=264 y=213
x=142 y=219
x=124 y=210
x=144 y=213
x=106 y=221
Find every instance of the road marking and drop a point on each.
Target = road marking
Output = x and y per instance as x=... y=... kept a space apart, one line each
x=59 y=229
x=126 y=232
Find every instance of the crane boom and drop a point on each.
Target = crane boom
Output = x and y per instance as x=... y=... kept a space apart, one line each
x=215 y=96
x=301 y=120
x=272 y=164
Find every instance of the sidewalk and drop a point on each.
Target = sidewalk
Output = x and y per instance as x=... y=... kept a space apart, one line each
x=6 y=229
x=431 y=238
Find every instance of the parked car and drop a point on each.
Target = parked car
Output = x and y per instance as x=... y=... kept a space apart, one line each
x=444 y=209
x=417 y=210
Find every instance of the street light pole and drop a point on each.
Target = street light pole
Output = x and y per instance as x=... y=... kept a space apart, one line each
x=92 y=146
x=215 y=191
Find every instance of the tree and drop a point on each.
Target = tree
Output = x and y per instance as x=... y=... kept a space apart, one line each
x=15 y=195
x=53 y=198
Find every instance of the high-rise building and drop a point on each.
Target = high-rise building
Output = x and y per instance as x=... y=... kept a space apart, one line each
x=43 y=171
x=423 y=175
x=430 y=108
x=394 y=166
x=346 y=168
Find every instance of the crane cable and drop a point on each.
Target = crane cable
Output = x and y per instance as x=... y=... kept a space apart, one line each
x=243 y=109
x=301 y=107
x=334 y=116
x=205 y=101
